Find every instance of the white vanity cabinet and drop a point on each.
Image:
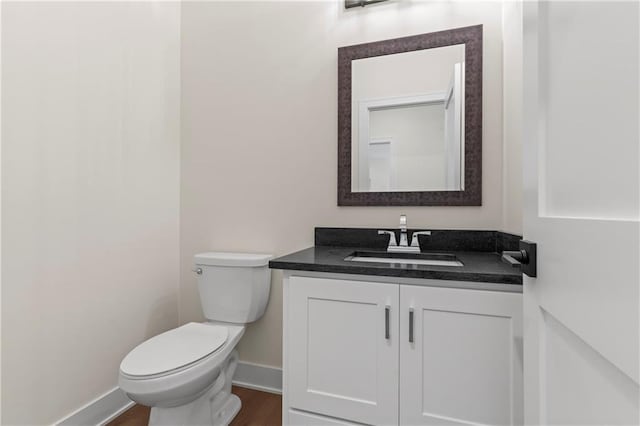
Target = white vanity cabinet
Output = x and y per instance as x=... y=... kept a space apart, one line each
x=385 y=353
x=463 y=364
x=342 y=357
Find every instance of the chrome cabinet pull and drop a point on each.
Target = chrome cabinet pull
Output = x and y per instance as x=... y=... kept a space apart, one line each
x=387 y=311
x=410 y=325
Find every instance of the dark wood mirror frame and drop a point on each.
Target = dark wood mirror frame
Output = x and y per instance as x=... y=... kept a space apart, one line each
x=471 y=37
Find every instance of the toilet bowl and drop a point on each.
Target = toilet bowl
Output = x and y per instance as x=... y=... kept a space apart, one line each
x=185 y=374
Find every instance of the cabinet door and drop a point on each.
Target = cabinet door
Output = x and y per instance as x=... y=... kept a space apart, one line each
x=341 y=355
x=464 y=365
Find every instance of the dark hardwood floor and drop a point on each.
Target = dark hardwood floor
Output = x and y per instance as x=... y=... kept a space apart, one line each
x=138 y=415
x=258 y=409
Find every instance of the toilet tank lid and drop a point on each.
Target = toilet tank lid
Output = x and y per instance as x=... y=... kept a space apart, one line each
x=232 y=259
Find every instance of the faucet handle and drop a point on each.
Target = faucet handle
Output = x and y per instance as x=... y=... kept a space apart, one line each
x=392 y=237
x=414 y=237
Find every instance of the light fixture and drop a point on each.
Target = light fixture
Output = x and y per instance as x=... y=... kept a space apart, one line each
x=348 y=4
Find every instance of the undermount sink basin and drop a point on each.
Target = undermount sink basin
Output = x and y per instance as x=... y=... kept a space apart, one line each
x=430 y=259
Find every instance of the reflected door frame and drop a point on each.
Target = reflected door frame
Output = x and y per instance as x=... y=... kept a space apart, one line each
x=454 y=120
x=364 y=117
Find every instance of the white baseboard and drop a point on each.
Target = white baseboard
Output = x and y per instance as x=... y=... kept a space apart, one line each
x=100 y=411
x=107 y=407
x=259 y=377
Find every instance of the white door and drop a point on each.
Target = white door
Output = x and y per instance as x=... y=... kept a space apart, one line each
x=343 y=349
x=581 y=198
x=461 y=363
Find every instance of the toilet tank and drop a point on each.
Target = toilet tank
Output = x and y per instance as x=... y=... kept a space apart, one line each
x=234 y=287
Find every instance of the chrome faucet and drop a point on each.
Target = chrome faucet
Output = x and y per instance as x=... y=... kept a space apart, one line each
x=403 y=246
x=403 y=231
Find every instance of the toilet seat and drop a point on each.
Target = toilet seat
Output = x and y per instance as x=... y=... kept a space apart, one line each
x=173 y=350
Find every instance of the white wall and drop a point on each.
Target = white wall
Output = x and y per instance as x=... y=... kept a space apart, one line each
x=90 y=165
x=90 y=187
x=0 y=214
x=259 y=125
x=512 y=119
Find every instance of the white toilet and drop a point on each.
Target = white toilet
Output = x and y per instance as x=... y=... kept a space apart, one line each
x=185 y=374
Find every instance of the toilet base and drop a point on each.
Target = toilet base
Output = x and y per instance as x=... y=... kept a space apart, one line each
x=228 y=411
x=215 y=407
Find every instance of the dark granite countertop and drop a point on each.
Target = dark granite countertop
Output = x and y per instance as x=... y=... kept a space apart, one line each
x=477 y=266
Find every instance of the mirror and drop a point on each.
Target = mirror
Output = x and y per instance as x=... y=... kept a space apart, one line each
x=410 y=120
x=409 y=113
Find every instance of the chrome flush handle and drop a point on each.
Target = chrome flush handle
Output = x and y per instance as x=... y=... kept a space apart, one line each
x=197 y=270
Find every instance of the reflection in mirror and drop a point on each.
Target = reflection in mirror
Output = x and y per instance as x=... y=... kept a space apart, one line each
x=408 y=121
